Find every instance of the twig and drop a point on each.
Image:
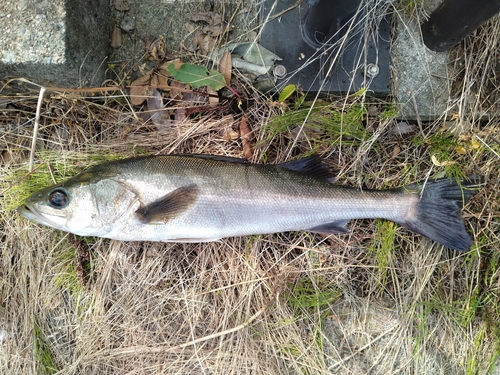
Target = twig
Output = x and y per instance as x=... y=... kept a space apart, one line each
x=35 y=129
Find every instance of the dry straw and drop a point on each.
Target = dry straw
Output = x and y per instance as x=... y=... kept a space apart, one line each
x=376 y=300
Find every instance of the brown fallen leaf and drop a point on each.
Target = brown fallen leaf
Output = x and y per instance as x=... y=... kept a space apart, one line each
x=438 y=163
x=225 y=128
x=177 y=89
x=225 y=66
x=229 y=134
x=115 y=37
x=156 y=48
x=213 y=99
x=161 y=77
x=245 y=134
x=204 y=43
x=140 y=89
x=155 y=107
x=395 y=151
x=83 y=257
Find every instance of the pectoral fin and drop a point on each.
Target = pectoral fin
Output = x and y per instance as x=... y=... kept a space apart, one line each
x=169 y=206
x=331 y=228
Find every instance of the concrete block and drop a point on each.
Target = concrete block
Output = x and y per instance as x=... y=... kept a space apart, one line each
x=55 y=42
x=421 y=79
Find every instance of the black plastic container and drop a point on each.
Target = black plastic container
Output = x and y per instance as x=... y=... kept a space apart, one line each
x=454 y=19
x=325 y=46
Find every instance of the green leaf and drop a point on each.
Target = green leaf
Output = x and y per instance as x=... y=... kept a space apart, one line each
x=286 y=92
x=197 y=76
x=299 y=101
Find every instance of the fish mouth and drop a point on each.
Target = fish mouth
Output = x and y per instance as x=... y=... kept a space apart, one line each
x=33 y=214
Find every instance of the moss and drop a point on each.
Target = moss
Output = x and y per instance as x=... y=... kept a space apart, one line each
x=442 y=150
x=46 y=363
x=308 y=297
x=383 y=247
x=389 y=112
x=326 y=124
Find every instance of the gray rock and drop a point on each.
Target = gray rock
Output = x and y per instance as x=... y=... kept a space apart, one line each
x=59 y=42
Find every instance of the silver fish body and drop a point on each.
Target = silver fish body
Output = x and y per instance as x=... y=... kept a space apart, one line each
x=195 y=198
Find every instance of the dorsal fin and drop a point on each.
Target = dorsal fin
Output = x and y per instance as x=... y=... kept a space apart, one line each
x=312 y=166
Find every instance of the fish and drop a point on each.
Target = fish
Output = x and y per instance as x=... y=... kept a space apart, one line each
x=201 y=198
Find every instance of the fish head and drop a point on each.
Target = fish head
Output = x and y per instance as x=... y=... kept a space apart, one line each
x=81 y=205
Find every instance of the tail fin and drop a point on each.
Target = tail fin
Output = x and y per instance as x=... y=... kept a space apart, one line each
x=438 y=213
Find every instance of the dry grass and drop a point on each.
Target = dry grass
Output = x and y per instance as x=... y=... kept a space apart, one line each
x=377 y=300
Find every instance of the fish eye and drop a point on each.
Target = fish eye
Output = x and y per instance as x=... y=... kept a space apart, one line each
x=58 y=198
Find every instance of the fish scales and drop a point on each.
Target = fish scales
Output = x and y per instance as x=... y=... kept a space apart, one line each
x=241 y=199
x=190 y=198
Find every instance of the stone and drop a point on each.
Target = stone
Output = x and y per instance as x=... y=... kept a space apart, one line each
x=57 y=42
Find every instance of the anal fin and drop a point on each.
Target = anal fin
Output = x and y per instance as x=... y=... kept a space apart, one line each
x=334 y=227
x=169 y=206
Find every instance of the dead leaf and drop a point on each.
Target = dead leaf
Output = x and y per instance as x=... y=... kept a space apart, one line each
x=210 y=28
x=140 y=89
x=225 y=66
x=115 y=37
x=225 y=128
x=204 y=43
x=213 y=99
x=214 y=31
x=174 y=93
x=229 y=134
x=395 y=152
x=161 y=77
x=245 y=134
x=441 y=163
x=155 y=107
x=156 y=49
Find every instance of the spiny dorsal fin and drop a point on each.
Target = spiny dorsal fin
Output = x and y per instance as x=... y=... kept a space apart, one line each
x=312 y=166
x=169 y=206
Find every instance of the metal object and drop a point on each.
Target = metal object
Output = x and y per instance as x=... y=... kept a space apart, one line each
x=372 y=70
x=323 y=44
x=279 y=71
